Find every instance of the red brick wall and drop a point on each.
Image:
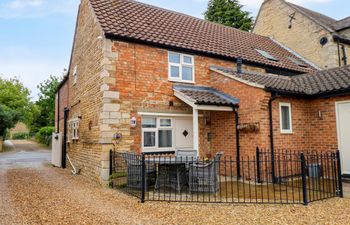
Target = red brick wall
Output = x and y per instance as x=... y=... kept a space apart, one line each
x=142 y=81
x=253 y=109
x=299 y=139
x=309 y=131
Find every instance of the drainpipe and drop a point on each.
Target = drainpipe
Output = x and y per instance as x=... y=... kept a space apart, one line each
x=273 y=97
x=345 y=59
x=64 y=145
x=237 y=143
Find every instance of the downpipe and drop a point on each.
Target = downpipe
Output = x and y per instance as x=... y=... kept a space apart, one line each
x=273 y=172
x=74 y=170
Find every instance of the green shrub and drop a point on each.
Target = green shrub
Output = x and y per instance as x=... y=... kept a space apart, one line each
x=20 y=136
x=44 y=135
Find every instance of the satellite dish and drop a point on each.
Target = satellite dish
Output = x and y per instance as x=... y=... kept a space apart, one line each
x=323 y=41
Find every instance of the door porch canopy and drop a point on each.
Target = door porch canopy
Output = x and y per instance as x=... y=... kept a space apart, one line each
x=204 y=98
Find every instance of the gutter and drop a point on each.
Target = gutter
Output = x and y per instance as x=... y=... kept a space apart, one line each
x=341 y=39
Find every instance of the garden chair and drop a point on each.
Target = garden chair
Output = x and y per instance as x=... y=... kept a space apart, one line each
x=134 y=171
x=203 y=177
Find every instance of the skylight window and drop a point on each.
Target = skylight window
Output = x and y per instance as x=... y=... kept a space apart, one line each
x=296 y=62
x=266 y=55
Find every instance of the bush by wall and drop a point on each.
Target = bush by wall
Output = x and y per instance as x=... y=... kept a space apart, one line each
x=20 y=136
x=44 y=135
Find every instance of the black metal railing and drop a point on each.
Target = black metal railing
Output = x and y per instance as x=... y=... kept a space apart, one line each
x=300 y=177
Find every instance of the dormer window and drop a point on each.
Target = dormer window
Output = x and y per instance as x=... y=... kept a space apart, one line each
x=181 y=67
x=266 y=55
x=296 y=61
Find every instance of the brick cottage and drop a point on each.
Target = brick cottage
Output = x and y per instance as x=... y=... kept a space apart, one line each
x=168 y=81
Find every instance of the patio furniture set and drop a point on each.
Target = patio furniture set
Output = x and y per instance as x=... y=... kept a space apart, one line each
x=175 y=172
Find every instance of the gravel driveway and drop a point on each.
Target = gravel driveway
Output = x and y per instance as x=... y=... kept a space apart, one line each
x=47 y=195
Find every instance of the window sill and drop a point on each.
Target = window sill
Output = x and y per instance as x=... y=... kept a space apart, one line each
x=181 y=81
x=286 y=132
x=145 y=150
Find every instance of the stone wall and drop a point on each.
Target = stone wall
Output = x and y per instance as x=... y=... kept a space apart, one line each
x=304 y=36
x=85 y=96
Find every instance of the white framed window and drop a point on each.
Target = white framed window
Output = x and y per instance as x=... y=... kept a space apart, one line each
x=74 y=127
x=157 y=133
x=181 y=67
x=75 y=75
x=285 y=118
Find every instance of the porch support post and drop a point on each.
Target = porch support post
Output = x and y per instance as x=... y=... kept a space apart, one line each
x=195 y=131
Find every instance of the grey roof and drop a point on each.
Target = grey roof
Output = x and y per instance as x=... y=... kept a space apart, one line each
x=318 y=83
x=342 y=24
x=319 y=18
x=327 y=22
x=200 y=95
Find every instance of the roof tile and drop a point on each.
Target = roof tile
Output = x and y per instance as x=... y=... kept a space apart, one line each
x=321 y=82
x=138 y=21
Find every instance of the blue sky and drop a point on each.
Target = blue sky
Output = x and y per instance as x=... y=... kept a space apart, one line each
x=36 y=35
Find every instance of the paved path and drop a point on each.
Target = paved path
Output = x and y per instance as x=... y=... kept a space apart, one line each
x=24 y=154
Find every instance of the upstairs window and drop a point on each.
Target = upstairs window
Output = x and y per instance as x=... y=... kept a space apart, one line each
x=296 y=62
x=266 y=55
x=181 y=67
x=286 y=118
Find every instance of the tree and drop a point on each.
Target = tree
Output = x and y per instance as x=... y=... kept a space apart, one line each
x=229 y=13
x=15 y=104
x=44 y=110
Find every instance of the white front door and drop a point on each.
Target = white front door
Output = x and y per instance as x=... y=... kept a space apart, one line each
x=343 y=126
x=184 y=133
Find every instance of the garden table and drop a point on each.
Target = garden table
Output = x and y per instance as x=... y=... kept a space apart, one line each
x=171 y=171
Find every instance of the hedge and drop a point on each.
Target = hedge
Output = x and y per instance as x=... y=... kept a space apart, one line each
x=20 y=136
x=44 y=135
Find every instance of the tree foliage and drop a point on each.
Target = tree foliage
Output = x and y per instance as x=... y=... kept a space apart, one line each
x=15 y=104
x=229 y=13
x=44 y=111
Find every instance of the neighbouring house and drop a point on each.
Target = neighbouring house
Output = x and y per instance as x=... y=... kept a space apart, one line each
x=168 y=81
x=19 y=128
x=317 y=37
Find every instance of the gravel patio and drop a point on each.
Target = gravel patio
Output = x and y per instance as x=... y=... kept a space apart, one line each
x=50 y=196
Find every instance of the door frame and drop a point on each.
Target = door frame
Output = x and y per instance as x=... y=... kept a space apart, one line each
x=337 y=117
